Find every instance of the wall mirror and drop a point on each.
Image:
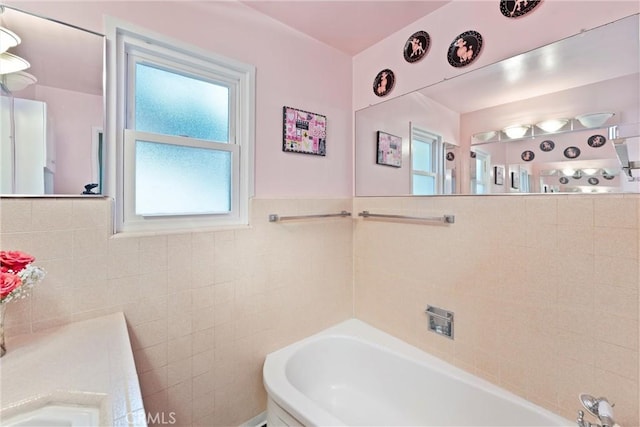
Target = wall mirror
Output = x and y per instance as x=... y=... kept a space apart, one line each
x=52 y=110
x=558 y=87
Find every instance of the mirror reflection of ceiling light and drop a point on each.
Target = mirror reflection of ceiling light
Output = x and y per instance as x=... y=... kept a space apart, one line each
x=552 y=125
x=18 y=81
x=568 y=172
x=590 y=171
x=517 y=131
x=8 y=39
x=484 y=136
x=10 y=63
x=594 y=120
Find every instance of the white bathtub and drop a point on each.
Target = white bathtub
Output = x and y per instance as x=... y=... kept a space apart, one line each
x=354 y=374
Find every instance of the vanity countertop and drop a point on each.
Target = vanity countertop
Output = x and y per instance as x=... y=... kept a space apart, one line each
x=83 y=363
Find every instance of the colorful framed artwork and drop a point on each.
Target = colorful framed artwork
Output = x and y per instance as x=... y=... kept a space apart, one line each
x=304 y=132
x=498 y=175
x=389 y=150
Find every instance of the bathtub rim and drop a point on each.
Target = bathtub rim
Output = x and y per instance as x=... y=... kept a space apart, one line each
x=296 y=403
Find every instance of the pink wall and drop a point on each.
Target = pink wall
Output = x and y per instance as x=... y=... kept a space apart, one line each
x=502 y=38
x=292 y=70
x=72 y=116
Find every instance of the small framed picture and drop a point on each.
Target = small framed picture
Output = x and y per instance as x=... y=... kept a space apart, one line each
x=389 y=149
x=515 y=180
x=498 y=175
x=304 y=132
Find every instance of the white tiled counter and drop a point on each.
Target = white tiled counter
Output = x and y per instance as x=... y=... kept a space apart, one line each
x=84 y=363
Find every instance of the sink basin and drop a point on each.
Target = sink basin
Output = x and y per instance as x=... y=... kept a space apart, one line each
x=53 y=415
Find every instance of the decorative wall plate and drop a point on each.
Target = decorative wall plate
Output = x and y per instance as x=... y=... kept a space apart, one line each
x=607 y=176
x=593 y=181
x=547 y=145
x=450 y=156
x=572 y=152
x=528 y=155
x=473 y=154
x=516 y=8
x=384 y=82
x=596 y=141
x=417 y=46
x=564 y=180
x=464 y=49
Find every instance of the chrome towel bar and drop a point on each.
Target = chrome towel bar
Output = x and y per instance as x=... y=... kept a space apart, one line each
x=448 y=219
x=276 y=217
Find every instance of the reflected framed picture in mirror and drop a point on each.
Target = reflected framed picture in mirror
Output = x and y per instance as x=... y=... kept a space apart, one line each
x=515 y=180
x=389 y=149
x=498 y=175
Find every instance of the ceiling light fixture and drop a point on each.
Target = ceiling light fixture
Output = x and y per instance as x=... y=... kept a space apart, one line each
x=18 y=81
x=8 y=39
x=552 y=125
x=516 y=131
x=10 y=63
x=594 y=120
x=484 y=136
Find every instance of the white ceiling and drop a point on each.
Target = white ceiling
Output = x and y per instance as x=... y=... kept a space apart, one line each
x=350 y=26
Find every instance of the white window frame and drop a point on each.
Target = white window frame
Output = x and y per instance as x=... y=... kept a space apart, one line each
x=124 y=39
x=437 y=157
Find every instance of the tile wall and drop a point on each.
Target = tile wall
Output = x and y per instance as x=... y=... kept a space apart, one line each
x=203 y=309
x=544 y=290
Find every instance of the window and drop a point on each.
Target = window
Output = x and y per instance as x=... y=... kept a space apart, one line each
x=480 y=174
x=183 y=133
x=426 y=162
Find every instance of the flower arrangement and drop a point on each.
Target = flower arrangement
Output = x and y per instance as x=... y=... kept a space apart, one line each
x=18 y=275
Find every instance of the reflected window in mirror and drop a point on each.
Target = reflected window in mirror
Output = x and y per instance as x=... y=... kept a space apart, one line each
x=426 y=164
x=480 y=172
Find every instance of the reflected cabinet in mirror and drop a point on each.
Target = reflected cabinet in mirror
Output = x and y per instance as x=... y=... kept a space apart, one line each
x=561 y=118
x=52 y=116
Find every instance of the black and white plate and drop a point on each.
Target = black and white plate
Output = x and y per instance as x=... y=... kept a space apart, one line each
x=465 y=49
x=547 y=145
x=384 y=82
x=528 y=155
x=572 y=152
x=516 y=8
x=416 y=46
x=596 y=141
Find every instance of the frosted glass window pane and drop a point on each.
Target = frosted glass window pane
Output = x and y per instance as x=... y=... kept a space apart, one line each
x=172 y=104
x=424 y=185
x=173 y=179
x=421 y=156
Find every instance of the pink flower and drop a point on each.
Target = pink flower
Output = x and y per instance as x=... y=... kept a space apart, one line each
x=15 y=260
x=8 y=282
